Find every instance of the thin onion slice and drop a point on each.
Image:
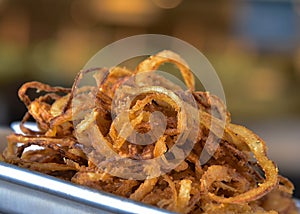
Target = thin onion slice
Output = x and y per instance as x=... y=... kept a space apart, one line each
x=144 y=189
x=153 y=62
x=258 y=147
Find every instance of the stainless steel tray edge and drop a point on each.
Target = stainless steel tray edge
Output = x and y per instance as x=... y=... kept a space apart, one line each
x=24 y=191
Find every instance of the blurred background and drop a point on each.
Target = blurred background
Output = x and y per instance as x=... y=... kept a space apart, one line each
x=254 y=45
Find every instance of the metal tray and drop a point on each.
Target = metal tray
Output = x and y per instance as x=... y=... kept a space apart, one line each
x=25 y=191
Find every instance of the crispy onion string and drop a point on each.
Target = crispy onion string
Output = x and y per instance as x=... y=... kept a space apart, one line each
x=153 y=63
x=85 y=137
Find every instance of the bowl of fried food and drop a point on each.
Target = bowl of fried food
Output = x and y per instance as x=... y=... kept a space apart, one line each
x=74 y=138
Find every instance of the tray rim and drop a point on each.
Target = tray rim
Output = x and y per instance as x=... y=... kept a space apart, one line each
x=59 y=188
x=12 y=174
x=78 y=193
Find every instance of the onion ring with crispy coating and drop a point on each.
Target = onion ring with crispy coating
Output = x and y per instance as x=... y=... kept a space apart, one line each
x=78 y=126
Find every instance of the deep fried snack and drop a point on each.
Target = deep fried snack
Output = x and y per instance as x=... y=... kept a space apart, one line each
x=229 y=182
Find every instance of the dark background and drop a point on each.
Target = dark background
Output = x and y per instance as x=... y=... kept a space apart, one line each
x=254 y=45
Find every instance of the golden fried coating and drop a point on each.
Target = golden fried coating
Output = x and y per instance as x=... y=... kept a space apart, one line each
x=238 y=178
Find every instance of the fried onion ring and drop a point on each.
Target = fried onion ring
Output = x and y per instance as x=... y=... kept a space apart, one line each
x=85 y=136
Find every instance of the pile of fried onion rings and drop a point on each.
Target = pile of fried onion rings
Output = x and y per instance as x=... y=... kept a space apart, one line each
x=238 y=178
